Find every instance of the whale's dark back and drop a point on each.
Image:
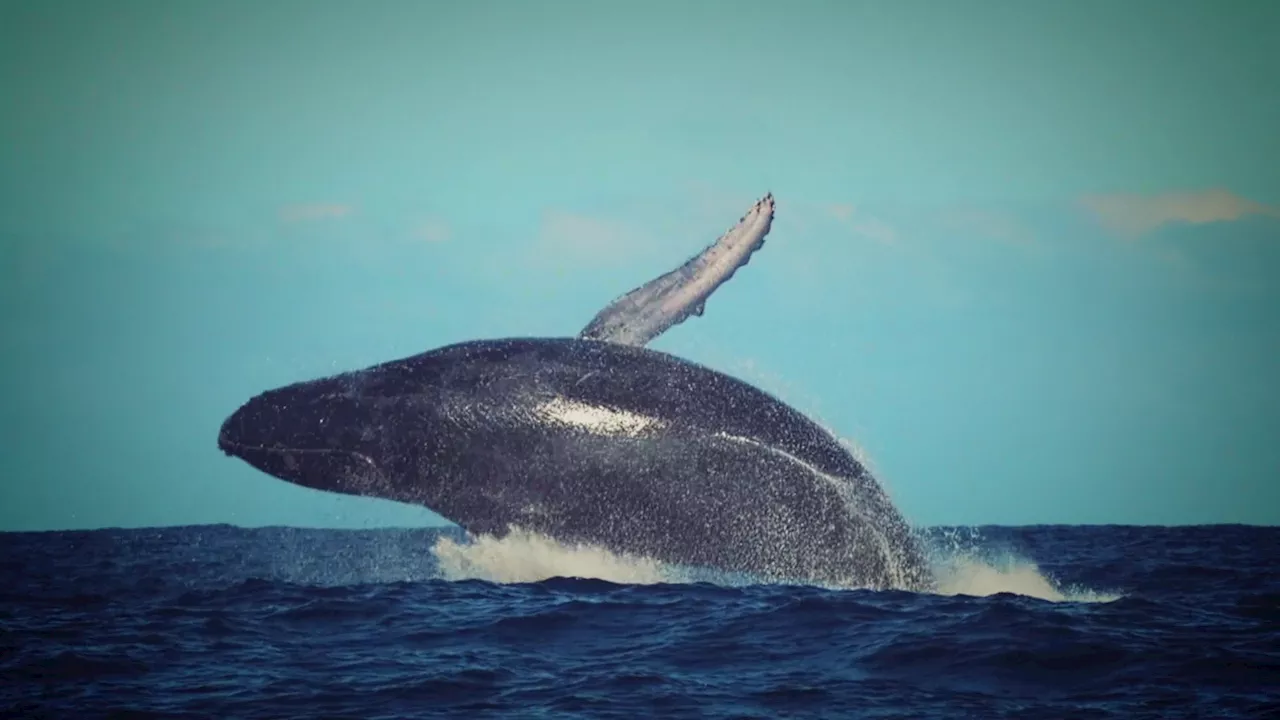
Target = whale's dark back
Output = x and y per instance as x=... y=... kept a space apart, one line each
x=586 y=441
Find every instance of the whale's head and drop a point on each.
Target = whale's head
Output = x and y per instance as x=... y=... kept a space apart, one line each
x=316 y=434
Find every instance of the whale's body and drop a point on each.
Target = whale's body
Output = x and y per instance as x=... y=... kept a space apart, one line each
x=597 y=440
x=586 y=441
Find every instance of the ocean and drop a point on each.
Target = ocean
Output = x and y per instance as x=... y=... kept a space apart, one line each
x=1029 y=622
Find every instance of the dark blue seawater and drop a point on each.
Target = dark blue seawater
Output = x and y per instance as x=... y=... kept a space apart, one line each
x=220 y=622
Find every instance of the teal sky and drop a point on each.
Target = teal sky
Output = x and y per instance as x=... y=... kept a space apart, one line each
x=1026 y=256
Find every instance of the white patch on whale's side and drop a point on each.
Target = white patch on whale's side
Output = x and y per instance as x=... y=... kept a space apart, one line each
x=597 y=419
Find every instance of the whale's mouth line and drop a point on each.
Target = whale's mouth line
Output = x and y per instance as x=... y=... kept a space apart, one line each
x=229 y=445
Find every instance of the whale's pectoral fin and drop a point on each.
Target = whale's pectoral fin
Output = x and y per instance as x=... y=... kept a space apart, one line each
x=649 y=310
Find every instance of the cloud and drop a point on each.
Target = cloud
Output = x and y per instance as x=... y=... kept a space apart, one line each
x=712 y=206
x=842 y=212
x=1237 y=256
x=585 y=240
x=433 y=231
x=308 y=213
x=863 y=224
x=990 y=224
x=1132 y=216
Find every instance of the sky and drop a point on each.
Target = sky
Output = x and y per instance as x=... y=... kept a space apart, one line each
x=1026 y=255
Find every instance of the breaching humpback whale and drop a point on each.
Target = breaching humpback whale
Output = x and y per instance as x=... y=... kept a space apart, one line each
x=598 y=440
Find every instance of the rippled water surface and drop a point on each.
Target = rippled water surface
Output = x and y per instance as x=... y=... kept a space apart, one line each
x=221 y=622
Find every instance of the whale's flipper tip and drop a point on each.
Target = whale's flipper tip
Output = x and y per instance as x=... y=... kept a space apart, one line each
x=649 y=310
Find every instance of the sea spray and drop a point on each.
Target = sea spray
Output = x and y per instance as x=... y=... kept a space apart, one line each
x=522 y=557
x=965 y=562
x=960 y=565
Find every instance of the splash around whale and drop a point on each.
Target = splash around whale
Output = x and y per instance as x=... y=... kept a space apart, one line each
x=597 y=440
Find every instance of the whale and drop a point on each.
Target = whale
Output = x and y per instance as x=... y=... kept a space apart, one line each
x=598 y=440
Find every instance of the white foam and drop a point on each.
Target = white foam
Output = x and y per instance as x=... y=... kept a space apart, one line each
x=522 y=557
x=968 y=568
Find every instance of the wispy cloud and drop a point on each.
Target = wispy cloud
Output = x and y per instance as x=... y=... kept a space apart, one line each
x=586 y=240
x=1132 y=216
x=712 y=206
x=433 y=231
x=308 y=213
x=863 y=224
x=999 y=226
